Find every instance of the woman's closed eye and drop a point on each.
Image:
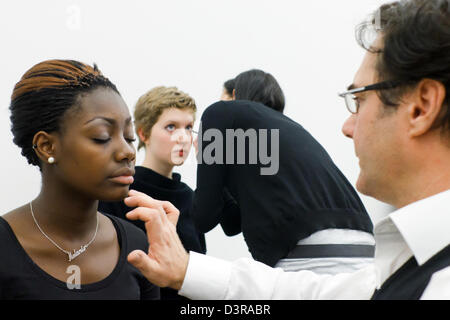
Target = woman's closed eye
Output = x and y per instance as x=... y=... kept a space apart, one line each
x=106 y=140
x=101 y=140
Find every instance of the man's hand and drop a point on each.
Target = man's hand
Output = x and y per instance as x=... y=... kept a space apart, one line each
x=166 y=263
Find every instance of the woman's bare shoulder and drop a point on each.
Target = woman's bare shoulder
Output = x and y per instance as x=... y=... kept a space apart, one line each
x=16 y=216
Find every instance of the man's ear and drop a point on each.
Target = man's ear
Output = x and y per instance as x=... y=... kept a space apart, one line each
x=425 y=106
x=44 y=145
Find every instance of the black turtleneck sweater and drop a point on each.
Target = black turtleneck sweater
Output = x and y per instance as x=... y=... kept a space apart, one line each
x=163 y=188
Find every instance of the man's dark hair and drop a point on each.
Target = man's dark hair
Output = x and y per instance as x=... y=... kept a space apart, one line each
x=416 y=46
x=259 y=86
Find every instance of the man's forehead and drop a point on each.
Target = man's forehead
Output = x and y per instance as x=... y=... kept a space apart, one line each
x=366 y=73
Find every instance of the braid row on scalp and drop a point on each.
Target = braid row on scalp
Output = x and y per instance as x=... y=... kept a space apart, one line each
x=44 y=94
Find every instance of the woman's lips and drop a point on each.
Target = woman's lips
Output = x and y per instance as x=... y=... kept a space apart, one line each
x=123 y=179
x=180 y=152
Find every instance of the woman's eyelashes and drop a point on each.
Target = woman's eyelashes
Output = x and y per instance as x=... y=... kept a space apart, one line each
x=101 y=141
x=172 y=127
x=106 y=140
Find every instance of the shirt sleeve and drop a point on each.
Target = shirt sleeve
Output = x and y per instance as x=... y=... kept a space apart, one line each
x=231 y=217
x=245 y=279
x=211 y=169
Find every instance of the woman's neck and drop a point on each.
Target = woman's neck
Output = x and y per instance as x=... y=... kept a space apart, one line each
x=59 y=210
x=163 y=168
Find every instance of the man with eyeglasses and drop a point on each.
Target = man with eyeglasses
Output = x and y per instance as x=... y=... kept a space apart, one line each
x=400 y=125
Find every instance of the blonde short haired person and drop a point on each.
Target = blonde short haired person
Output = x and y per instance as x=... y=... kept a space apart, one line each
x=164 y=117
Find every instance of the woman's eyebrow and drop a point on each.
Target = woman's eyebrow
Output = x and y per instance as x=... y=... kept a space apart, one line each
x=178 y=122
x=109 y=120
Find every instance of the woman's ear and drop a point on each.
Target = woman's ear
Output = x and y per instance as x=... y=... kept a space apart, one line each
x=234 y=94
x=44 y=145
x=425 y=107
x=142 y=136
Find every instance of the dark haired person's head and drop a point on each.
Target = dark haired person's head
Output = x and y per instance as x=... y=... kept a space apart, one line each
x=414 y=44
x=399 y=102
x=257 y=85
x=71 y=122
x=227 y=93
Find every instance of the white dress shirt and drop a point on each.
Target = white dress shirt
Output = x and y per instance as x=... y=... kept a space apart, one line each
x=330 y=265
x=421 y=229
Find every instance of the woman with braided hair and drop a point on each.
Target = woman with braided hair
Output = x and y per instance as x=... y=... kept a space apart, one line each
x=71 y=122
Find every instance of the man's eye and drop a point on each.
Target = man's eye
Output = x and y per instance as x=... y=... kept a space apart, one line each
x=358 y=98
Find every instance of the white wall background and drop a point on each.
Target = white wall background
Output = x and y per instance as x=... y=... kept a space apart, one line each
x=196 y=45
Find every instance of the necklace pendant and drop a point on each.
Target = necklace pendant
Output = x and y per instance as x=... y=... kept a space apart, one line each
x=75 y=254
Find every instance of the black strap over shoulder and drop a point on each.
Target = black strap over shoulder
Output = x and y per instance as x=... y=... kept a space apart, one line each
x=409 y=282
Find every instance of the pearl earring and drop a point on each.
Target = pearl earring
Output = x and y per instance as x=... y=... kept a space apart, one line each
x=51 y=160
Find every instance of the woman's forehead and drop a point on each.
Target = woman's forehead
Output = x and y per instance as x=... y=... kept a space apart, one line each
x=100 y=103
x=178 y=115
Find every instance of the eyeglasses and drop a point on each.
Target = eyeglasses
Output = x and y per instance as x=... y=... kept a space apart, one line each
x=352 y=102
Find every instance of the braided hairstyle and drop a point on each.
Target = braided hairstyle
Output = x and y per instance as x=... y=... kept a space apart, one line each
x=44 y=94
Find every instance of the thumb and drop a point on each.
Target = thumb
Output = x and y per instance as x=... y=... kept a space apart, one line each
x=143 y=263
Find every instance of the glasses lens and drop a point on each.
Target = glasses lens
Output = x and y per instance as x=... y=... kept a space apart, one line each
x=351 y=103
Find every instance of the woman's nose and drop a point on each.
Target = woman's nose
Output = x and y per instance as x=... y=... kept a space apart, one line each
x=182 y=136
x=126 y=151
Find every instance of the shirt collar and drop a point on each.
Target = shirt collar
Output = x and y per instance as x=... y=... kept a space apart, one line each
x=425 y=225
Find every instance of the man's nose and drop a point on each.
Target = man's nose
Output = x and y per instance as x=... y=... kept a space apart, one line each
x=348 y=126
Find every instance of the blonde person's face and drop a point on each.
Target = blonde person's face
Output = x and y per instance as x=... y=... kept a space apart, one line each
x=170 y=139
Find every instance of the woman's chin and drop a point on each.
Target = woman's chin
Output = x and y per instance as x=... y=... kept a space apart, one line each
x=176 y=162
x=116 y=196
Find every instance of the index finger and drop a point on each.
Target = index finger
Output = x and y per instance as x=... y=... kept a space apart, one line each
x=139 y=199
x=172 y=212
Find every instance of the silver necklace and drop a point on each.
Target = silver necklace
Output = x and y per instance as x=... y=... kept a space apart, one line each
x=75 y=253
